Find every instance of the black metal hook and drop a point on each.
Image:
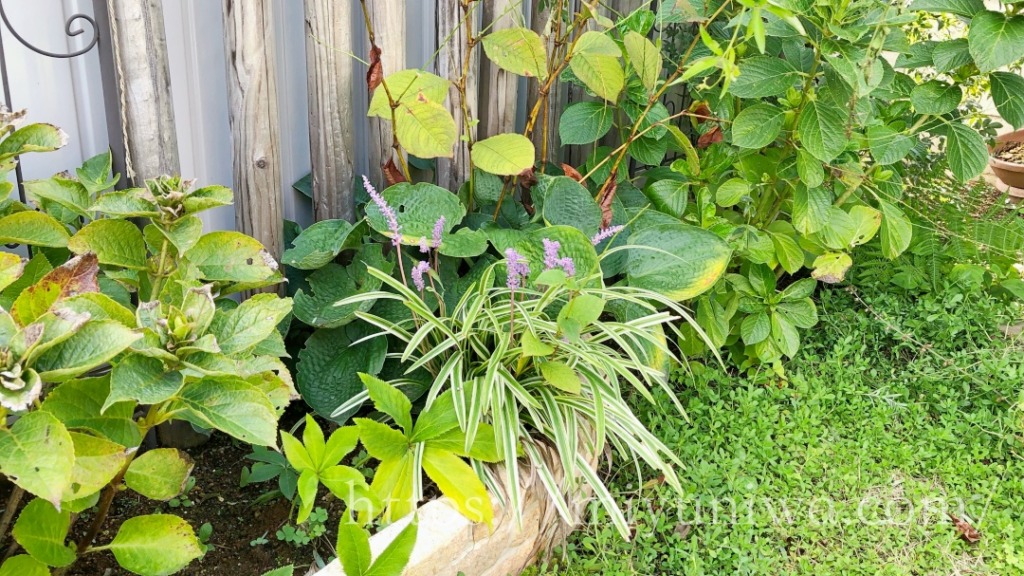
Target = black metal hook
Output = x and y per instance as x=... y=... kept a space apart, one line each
x=67 y=30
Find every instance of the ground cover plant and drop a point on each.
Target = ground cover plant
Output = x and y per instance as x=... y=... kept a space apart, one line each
x=898 y=412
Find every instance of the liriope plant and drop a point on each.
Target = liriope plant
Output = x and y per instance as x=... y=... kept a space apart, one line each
x=547 y=358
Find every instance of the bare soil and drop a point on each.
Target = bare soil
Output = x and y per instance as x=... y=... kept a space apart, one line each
x=1013 y=153
x=236 y=520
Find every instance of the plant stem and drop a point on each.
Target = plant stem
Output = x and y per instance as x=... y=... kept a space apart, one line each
x=392 y=103
x=12 y=505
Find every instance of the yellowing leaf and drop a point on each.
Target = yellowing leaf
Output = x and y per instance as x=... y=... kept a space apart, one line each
x=504 y=154
x=425 y=128
x=517 y=50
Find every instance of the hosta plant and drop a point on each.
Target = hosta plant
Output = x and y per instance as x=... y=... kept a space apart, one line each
x=110 y=329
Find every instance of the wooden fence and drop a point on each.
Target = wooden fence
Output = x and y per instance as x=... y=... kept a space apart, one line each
x=343 y=141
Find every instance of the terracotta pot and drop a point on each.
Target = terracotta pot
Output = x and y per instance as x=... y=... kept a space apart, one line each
x=1011 y=174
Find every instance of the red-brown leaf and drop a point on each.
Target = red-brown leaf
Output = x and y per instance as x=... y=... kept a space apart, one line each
x=572 y=173
x=375 y=74
x=710 y=137
x=701 y=112
x=76 y=276
x=606 y=196
x=967 y=532
x=392 y=173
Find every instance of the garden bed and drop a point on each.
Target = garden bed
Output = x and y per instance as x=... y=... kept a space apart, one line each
x=237 y=521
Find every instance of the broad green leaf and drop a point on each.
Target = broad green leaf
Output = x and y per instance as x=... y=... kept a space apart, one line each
x=644 y=57
x=99 y=306
x=417 y=207
x=458 y=481
x=887 y=145
x=115 y=243
x=155 y=545
x=95 y=344
x=755 y=328
x=41 y=530
x=966 y=8
x=731 y=191
x=831 y=267
x=896 y=230
x=389 y=400
x=425 y=128
x=125 y=204
x=585 y=122
x=757 y=126
x=784 y=335
x=595 y=61
x=936 y=97
x=567 y=202
x=37 y=453
x=1008 y=95
x=320 y=244
x=949 y=55
x=315 y=305
x=996 y=40
x=353 y=547
x=966 y=152
x=866 y=222
x=11 y=268
x=66 y=192
x=232 y=406
x=465 y=243
x=809 y=168
x=561 y=376
x=207 y=197
x=532 y=346
x=801 y=313
x=159 y=474
x=142 y=379
x=811 y=209
x=394 y=558
x=504 y=154
x=307 y=486
x=252 y=322
x=382 y=441
x=406 y=85
x=78 y=403
x=668 y=196
x=94 y=173
x=33 y=138
x=23 y=565
x=296 y=453
x=350 y=486
x=183 y=233
x=822 y=130
x=97 y=462
x=227 y=256
x=288 y=570
x=33 y=228
x=678 y=260
x=788 y=252
x=763 y=77
x=517 y=50
x=328 y=367
x=483 y=448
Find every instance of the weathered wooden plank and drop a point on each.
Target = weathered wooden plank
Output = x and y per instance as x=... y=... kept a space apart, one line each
x=451 y=64
x=253 y=116
x=499 y=90
x=555 y=101
x=144 y=86
x=389 y=28
x=329 y=76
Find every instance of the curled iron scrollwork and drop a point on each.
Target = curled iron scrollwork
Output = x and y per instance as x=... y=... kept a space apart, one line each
x=69 y=26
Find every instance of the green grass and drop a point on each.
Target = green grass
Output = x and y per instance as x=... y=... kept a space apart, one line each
x=891 y=404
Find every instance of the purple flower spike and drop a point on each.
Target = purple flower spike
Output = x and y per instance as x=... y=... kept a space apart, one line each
x=518 y=269
x=551 y=248
x=438 y=232
x=605 y=234
x=552 y=260
x=417 y=275
x=386 y=211
x=424 y=247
